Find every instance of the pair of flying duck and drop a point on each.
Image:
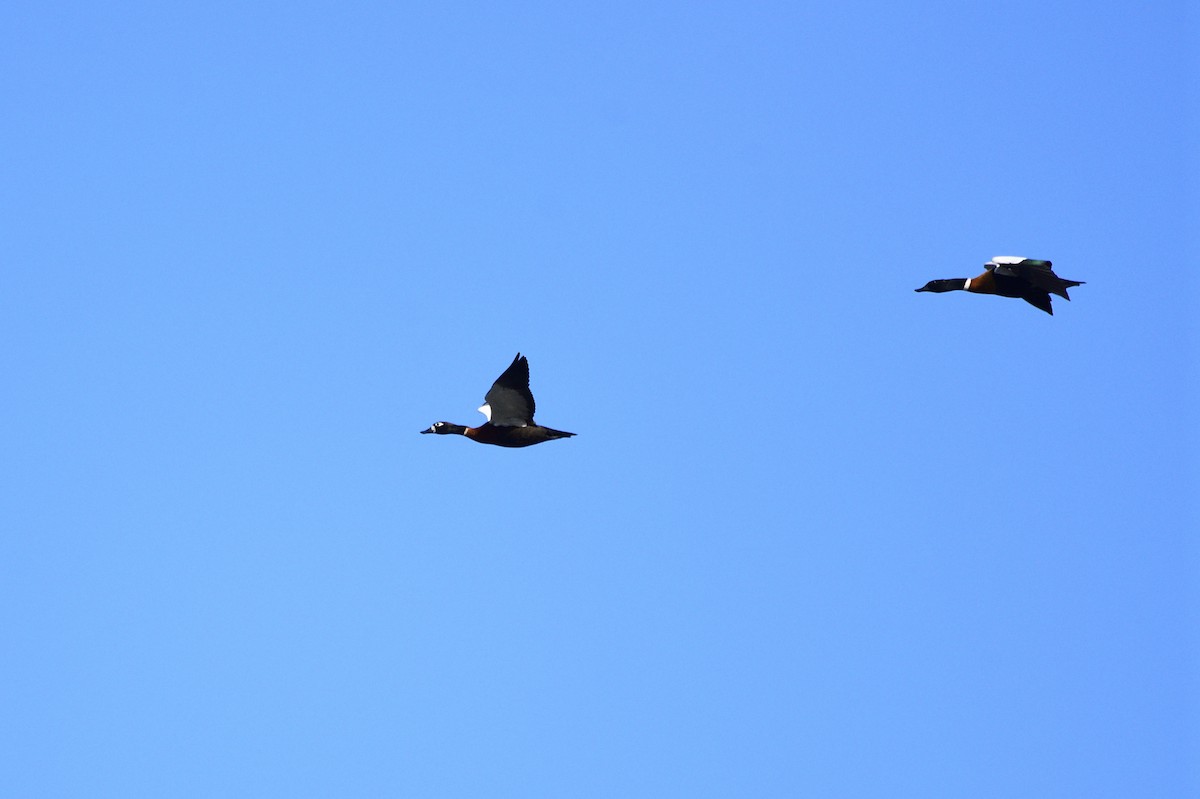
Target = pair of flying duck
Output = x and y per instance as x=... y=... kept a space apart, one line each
x=509 y=405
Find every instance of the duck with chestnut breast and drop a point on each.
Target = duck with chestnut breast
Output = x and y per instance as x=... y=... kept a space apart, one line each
x=509 y=407
x=1011 y=276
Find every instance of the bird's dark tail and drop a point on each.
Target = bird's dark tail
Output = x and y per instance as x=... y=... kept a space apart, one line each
x=1067 y=284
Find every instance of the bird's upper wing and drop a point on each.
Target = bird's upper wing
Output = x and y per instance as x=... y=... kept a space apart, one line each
x=1034 y=272
x=1016 y=266
x=509 y=403
x=1009 y=265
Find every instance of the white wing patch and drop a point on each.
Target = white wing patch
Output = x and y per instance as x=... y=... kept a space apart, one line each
x=1008 y=259
x=486 y=410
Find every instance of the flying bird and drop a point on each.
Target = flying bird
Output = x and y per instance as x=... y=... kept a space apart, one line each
x=1011 y=276
x=509 y=407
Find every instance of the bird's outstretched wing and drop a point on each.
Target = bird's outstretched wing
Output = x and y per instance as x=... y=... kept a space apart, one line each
x=509 y=402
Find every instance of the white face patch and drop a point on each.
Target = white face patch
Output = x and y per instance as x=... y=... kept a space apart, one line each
x=486 y=410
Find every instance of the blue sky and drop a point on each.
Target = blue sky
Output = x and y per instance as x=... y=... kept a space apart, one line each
x=817 y=536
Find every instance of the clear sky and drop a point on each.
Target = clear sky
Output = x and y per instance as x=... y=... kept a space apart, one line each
x=818 y=535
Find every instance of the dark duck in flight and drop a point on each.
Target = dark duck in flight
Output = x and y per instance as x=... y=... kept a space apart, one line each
x=1011 y=276
x=508 y=406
